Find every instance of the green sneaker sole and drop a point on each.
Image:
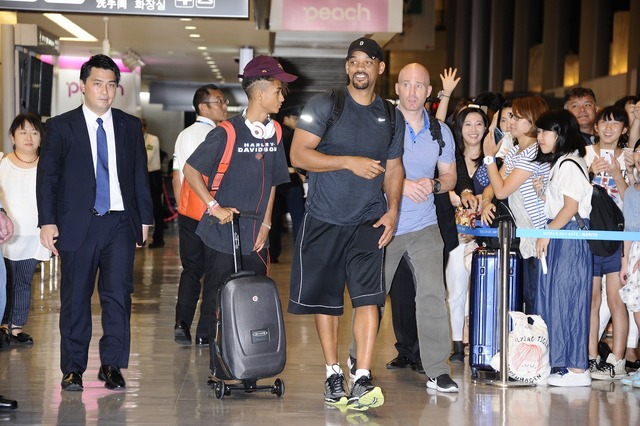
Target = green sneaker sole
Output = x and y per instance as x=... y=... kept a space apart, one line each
x=371 y=399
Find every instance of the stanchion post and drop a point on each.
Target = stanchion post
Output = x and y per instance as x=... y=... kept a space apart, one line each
x=505 y=235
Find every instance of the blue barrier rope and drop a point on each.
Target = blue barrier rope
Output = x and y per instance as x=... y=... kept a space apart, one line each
x=555 y=233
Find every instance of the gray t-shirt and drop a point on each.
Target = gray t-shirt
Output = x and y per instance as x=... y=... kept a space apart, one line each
x=256 y=165
x=340 y=197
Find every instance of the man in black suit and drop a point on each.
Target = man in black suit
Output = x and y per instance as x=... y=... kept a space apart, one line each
x=94 y=207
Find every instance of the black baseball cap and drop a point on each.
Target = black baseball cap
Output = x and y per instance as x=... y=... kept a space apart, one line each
x=366 y=45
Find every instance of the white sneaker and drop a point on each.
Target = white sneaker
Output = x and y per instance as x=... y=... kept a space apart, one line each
x=612 y=369
x=351 y=365
x=570 y=379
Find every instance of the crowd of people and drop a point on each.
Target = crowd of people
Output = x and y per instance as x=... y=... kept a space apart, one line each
x=373 y=192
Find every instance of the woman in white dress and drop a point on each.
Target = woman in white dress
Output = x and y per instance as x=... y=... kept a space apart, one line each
x=18 y=197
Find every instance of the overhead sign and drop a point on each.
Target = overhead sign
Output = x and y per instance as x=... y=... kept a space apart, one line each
x=157 y=8
x=360 y=16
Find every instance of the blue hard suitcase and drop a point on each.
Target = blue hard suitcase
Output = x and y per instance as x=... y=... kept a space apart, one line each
x=249 y=339
x=484 y=306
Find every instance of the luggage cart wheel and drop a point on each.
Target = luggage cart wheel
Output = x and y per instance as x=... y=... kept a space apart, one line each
x=278 y=388
x=219 y=389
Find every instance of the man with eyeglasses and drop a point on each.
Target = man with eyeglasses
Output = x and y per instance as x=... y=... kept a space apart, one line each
x=211 y=108
x=581 y=102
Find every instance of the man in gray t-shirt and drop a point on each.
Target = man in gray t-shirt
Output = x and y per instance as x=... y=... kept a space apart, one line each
x=352 y=164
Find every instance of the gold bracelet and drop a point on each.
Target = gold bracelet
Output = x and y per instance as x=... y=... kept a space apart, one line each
x=466 y=190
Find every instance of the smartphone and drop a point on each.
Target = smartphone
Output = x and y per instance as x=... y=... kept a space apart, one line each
x=497 y=134
x=607 y=154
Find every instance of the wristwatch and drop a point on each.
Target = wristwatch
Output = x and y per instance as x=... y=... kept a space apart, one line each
x=436 y=186
x=489 y=160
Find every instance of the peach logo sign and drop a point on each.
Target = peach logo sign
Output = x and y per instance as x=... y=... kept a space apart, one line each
x=335 y=15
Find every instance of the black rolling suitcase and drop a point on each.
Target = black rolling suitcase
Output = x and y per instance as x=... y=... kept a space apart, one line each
x=250 y=338
x=484 y=306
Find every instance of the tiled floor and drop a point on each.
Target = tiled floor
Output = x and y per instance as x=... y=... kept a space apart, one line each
x=167 y=383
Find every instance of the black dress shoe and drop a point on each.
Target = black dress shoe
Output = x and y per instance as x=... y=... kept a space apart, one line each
x=72 y=382
x=399 y=362
x=202 y=342
x=111 y=377
x=156 y=244
x=7 y=404
x=181 y=334
x=22 y=338
x=417 y=367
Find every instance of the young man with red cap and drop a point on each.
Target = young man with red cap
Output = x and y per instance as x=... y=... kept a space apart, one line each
x=258 y=164
x=352 y=163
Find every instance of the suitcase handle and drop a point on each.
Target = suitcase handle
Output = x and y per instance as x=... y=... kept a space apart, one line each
x=235 y=236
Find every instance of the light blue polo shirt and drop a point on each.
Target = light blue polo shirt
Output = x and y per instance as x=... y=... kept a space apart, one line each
x=420 y=159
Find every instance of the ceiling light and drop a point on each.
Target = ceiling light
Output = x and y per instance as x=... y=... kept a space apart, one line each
x=79 y=33
x=202 y=47
x=132 y=60
x=194 y=35
x=185 y=19
x=190 y=27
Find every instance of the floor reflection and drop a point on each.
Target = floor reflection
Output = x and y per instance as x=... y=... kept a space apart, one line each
x=167 y=383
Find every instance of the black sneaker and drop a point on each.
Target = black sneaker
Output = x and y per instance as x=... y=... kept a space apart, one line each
x=443 y=383
x=364 y=395
x=334 y=393
x=633 y=365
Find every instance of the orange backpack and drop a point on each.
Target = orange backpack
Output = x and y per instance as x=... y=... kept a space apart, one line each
x=190 y=204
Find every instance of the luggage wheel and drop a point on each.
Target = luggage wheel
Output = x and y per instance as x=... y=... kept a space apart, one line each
x=220 y=389
x=278 y=388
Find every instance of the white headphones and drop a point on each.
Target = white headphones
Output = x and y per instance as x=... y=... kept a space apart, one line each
x=260 y=130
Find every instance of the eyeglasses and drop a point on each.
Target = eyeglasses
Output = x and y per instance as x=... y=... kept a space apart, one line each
x=515 y=118
x=219 y=101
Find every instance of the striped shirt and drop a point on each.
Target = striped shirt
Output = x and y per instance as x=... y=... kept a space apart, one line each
x=524 y=161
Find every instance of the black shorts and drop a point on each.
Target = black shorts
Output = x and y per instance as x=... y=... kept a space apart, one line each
x=327 y=256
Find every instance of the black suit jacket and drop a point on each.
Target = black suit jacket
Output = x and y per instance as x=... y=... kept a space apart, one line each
x=66 y=182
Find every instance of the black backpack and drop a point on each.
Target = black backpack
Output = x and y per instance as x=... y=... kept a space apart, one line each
x=338 y=105
x=605 y=216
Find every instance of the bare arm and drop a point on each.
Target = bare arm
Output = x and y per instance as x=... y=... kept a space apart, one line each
x=265 y=226
x=563 y=217
x=449 y=83
x=503 y=188
x=305 y=156
x=393 y=180
x=176 y=184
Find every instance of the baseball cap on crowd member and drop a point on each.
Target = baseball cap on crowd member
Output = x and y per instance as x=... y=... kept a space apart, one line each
x=266 y=66
x=366 y=45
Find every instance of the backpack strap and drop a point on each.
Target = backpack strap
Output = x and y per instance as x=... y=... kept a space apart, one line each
x=436 y=132
x=391 y=115
x=577 y=216
x=226 y=155
x=337 y=95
